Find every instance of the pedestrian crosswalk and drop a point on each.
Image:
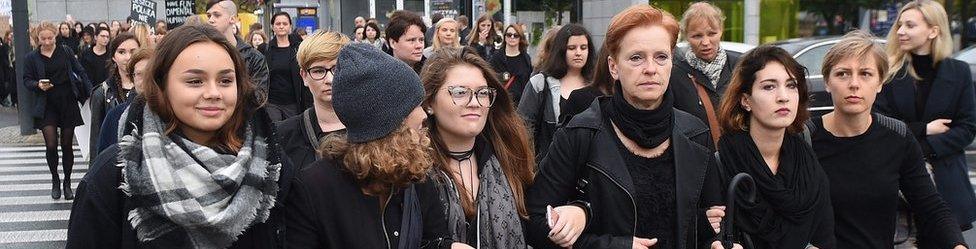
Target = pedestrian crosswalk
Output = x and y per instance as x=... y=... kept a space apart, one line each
x=29 y=218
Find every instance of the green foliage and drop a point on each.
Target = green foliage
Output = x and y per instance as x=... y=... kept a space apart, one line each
x=243 y=6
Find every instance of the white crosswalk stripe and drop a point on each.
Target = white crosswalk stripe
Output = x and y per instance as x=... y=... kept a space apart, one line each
x=29 y=217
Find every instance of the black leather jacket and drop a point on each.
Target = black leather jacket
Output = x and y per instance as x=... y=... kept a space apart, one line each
x=585 y=165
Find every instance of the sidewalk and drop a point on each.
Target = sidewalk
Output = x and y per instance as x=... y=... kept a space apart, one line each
x=10 y=130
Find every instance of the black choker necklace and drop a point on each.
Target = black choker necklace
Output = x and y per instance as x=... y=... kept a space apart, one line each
x=462 y=155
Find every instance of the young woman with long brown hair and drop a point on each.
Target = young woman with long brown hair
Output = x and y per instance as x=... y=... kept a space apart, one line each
x=482 y=152
x=197 y=165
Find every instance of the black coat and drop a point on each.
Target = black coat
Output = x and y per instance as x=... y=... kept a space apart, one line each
x=34 y=71
x=686 y=96
x=952 y=97
x=328 y=209
x=99 y=212
x=584 y=155
x=302 y=96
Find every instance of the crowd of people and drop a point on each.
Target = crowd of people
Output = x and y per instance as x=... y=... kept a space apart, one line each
x=455 y=137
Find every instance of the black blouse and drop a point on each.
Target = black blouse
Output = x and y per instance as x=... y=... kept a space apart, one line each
x=866 y=173
x=655 y=195
x=56 y=69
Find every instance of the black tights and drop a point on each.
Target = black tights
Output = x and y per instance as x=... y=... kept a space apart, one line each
x=67 y=152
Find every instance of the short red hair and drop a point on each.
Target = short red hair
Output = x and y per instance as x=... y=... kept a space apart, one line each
x=638 y=16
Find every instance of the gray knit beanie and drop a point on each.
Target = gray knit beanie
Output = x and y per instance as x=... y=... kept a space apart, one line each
x=372 y=92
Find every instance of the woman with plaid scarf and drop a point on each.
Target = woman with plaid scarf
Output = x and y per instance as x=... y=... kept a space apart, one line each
x=197 y=164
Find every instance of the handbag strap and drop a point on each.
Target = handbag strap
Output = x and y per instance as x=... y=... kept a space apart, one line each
x=309 y=131
x=713 y=127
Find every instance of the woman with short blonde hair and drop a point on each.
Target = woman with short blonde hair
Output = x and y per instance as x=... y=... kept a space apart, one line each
x=853 y=146
x=703 y=70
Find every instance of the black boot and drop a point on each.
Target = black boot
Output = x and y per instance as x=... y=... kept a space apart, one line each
x=56 y=188
x=67 y=190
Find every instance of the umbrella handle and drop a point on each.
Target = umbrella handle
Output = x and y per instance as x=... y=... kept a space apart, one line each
x=728 y=223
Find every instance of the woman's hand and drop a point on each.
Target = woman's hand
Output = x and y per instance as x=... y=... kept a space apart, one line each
x=44 y=87
x=718 y=245
x=456 y=245
x=642 y=243
x=483 y=35
x=566 y=224
x=715 y=215
x=937 y=126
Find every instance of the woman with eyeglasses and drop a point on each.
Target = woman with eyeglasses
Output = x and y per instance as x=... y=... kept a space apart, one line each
x=482 y=153
x=568 y=68
x=513 y=63
x=302 y=134
x=632 y=174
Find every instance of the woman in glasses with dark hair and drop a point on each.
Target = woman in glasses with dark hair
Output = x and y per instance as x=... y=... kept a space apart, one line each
x=513 y=64
x=481 y=150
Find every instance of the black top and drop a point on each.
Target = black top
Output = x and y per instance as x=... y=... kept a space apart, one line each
x=866 y=173
x=293 y=137
x=517 y=68
x=654 y=195
x=56 y=69
x=280 y=61
x=95 y=65
x=925 y=70
x=315 y=219
x=578 y=101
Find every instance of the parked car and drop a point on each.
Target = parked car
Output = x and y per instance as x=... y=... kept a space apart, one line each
x=969 y=56
x=810 y=52
x=740 y=48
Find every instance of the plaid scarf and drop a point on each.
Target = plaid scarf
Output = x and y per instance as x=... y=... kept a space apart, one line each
x=711 y=69
x=211 y=197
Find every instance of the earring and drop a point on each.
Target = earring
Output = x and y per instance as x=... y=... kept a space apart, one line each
x=748 y=109
x=430 y=111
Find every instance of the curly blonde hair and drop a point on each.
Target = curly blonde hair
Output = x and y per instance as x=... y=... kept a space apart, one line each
x=393 y=161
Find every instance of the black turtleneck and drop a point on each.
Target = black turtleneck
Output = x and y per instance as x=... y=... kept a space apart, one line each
x=925 y=69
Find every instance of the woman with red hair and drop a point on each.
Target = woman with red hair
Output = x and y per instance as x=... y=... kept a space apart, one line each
x=632 y=167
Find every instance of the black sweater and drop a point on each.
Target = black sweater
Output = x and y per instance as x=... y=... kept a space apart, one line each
x=866 y=172
x=95 y=65
x=518 y=68
x=327 y=209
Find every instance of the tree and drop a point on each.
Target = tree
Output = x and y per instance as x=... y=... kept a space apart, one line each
x=847 y=10
x=555 y=9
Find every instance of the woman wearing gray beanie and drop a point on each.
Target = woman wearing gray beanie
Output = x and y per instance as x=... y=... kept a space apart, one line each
x=370 y=188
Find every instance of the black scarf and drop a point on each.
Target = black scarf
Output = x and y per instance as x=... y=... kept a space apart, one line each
x=648 y=128
x=790 y=197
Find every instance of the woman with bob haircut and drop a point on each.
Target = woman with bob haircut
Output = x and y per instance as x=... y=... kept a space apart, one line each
x=197 y=164
x=854 y=147
x=568 y=68
x=933 y=94
x=371 y=188
x=301 y=135
x=482 y=153
x=762 y=117
x=631 y=167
